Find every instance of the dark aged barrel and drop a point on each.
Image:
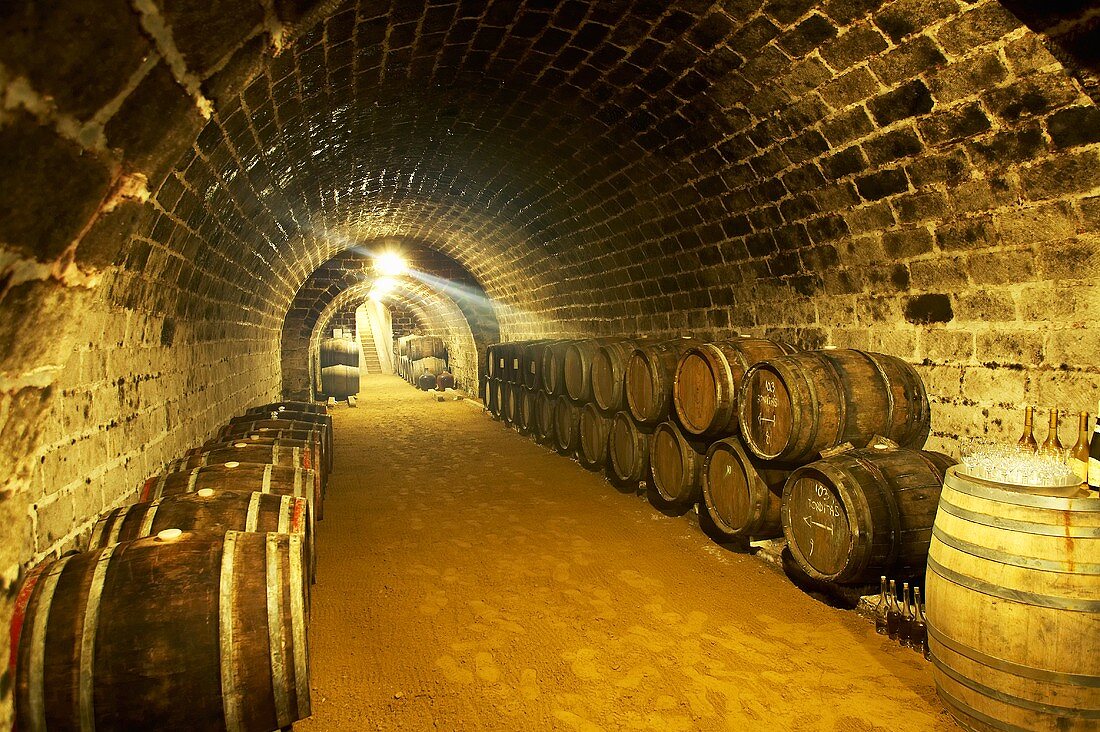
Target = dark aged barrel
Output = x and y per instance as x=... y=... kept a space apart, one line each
x=279 y=429
x=677 y=464
x=1013 y=592
x=339 y=352
x=628 y=449
x=312 y=448
x=566 y=425
x=594 y=428
x=492 y=397
x=522 y=404
x=543 y=426
x=553 y=368
x=863 y=513
x=244 y=477
x=792 y=407
x=340 y=381
x=609 y=373
x=207 y=511
x=708 y=376
x=169 y=634
x=507 y=412
x=322 y=422
x=649 y=376
x=741 y=492
x=530 y=364
x=288 y=406
x=577 y=367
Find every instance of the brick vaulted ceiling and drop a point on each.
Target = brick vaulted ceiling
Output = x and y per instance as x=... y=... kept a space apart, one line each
x=569 y=154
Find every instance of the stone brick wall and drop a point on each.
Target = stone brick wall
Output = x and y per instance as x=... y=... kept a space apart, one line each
x=915 y=176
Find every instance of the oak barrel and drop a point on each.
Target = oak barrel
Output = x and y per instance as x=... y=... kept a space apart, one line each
x=566 y=425
x=208 y=511
x=707 y=378
x=321 y=422
x=339 y=352
x=649 y=376
x=863 y=513
x=530 y=363
x=543 y=424
x=492 y=396
x=594 y=428
x=418 y=347
x=183 y=634
x=279 y=430
x=553 y=367
x=676 y=463
x=523 y=407
x=288 y=406
x=312 y=445
x=243 y=477
x=792 y=407
x=609 y=373
x=577 y=367
x=507 y=411
x=1013 y=607
x=628 y=449
x=741 y=492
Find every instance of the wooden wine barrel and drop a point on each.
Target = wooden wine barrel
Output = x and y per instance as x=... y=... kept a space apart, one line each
x=553 y=368
x=253 y=454
x=174 y=635
x=241 y=477
x=527 y=412
x=430 y=364
x=628 y=449
x=530 y=363
x=501 y=358
x=507 y=411
x=741 y=492
x=418 y=347
x=274 y=430
x=292 y=420
x=594 y=428
x=288 y=406
x=577 y=367
x=863 y=513
x=649 y=376
x=339 y=352
x=492 y=397
x=708 y=377
x=313 y=446
x=608 y=373
x=543 y=425
x=566 y=425
x=1013 y=607
x=792 y=407
x=208 y=511
x=677 y=464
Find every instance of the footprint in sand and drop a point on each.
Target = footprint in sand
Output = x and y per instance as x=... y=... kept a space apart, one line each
x=576 y=722
x=453 y=671
x=486 y=667
x=433 y=604
x=529 y=684
x=584 y=663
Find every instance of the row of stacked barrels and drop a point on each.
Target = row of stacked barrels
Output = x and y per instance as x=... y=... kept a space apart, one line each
x=824 y=448
x=744 y=428
x=420 y=355
x=190 y=608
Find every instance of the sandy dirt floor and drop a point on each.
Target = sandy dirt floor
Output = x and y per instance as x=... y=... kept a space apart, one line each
x=470 y=579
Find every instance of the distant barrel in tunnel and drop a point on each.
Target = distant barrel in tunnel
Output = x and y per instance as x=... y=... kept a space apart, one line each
x=566 y=425
x=340 y=381
x=594 y=428
x=553 y=367
x=650 y=374
x=608 y=373
x=339 y=352
x=628 y=449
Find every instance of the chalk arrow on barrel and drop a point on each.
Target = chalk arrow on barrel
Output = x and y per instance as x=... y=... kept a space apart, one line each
x=814 y=523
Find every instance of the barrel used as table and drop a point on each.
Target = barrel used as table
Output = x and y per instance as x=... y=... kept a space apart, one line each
x=1013 y=607
x=170 y=633
x=792 y=407
x=855 y=516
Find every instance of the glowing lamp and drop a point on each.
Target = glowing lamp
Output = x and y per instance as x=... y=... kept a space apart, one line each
x=391 y=264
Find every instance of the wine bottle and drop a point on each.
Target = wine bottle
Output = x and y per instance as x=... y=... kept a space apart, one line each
x=1094 y=454
x=1079 y=453
x=893 y=612
x=918 y=636
x=905 y=623
x=1052 y=445
x=1027 y=440
x=883 y=606
x=925 y=650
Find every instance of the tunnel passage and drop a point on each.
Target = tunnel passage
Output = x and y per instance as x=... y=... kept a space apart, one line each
x=821 y=172
x=445 y=298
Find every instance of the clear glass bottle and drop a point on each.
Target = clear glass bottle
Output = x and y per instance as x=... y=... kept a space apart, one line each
x=1052 y=445
x=918 y=635
x=1079 y=453
x=893 y=612
x=1027 y=440
x=883 y=606
x=905 y=622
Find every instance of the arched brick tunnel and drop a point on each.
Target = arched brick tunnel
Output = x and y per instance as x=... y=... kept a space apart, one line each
x=188 y=187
